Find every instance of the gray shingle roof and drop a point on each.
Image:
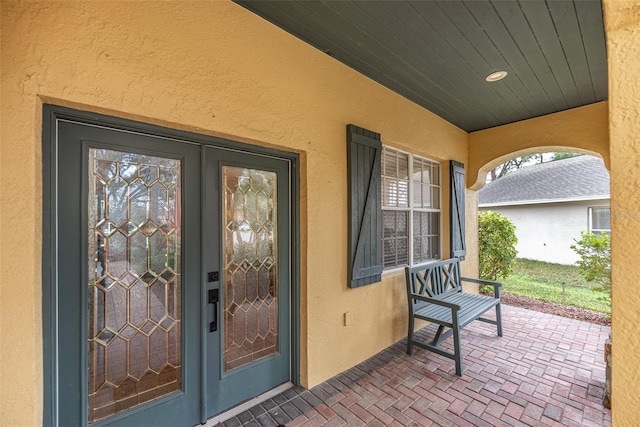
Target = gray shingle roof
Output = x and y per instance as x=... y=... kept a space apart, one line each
x=581 y=177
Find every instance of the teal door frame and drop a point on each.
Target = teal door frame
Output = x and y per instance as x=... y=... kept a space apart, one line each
x=53 y=338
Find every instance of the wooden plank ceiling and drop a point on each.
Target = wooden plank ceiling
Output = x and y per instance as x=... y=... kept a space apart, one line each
x=438 y=53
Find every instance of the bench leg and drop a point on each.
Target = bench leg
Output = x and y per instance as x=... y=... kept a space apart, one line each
x=456 y=350
x=456 y=347
x=410 y=335
x=436 y=339
x=499 y=319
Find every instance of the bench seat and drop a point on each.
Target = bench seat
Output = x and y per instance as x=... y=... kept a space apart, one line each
x=471 y=308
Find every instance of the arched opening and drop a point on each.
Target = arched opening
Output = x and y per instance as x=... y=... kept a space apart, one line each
x=551 y=206
x=560 y=208
x=582 y=130
x=483 y=171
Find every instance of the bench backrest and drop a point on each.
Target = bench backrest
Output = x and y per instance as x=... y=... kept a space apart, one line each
x=436 y=279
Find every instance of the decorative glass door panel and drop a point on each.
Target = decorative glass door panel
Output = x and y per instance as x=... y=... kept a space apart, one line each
x=134 y=341
x=250 y=265
x=247 y=240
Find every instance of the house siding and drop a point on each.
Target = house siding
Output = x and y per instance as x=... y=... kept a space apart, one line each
x=546 y=231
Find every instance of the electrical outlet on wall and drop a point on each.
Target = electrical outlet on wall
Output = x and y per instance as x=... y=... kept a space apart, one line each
x=347 y=318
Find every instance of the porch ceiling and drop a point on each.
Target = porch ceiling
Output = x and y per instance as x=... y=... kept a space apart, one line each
x=438 y=53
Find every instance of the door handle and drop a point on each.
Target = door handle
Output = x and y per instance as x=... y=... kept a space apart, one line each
x=213 y=299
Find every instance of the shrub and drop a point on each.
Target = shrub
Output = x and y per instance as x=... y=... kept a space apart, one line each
x=595 y=259
x=497 y=241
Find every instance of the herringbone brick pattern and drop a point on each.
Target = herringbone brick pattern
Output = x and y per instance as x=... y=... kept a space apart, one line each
x=546 y=370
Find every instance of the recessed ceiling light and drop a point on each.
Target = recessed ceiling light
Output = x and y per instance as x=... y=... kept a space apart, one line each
x=495 y=76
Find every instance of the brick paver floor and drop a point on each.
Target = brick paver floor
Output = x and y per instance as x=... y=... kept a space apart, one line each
x=546 y=370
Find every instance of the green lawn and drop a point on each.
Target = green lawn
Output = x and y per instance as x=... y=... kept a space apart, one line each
x=543 y=281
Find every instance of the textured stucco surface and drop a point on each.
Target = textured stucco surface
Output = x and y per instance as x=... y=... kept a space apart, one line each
x=214 y=68
x=583 y=129
x=622 y=24
x=217 y=69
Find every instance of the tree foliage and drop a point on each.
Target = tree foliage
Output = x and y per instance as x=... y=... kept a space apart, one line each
x=515 y=164
x=595 y=258
x=497 y=240
x=530 y=159
x=560 y=156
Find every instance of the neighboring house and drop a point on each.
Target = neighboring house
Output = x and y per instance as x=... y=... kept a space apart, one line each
x=550 y=204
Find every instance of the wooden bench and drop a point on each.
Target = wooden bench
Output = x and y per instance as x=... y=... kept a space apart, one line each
x=435 y=294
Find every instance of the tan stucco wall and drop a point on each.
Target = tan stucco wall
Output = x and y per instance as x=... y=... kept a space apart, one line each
x=214 y=68
x=584 y=129
x=622 y=20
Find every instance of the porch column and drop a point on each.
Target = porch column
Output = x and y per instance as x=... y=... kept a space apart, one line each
x=622 y=24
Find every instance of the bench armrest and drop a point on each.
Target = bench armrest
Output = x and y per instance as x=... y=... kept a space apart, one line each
x=496 y=285
x=436 y=301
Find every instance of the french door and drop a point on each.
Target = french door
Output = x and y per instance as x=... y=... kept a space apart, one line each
x=248 y=290
x=170 y=285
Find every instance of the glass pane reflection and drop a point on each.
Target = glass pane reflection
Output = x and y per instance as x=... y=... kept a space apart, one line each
x=250 y=270
x=134 y=280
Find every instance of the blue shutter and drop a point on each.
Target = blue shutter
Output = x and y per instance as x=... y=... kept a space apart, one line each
x=365 y=215
x=458 y=246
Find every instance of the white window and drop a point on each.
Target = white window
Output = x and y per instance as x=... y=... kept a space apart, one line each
x=410 y=209
x=600 y=220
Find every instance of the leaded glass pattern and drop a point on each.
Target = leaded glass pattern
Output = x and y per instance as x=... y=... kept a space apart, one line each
x=250 y=266
x=134 y=280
